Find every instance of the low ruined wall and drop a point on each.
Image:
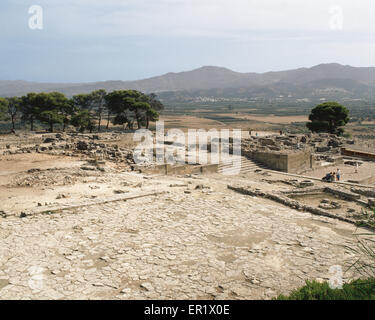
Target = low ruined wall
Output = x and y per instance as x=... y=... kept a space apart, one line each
x=358 y=154
x=343 y=194
x=160 y=169
x=294 y=204
x=171 y=170
x=365 y=192
x=211 y=168
x=167 y=169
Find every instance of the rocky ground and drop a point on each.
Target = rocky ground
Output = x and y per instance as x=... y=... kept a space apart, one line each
x=198 y=240
x=195 y=239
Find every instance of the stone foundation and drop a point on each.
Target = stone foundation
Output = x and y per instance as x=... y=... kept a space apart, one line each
x=294 y=162
x=168 y=169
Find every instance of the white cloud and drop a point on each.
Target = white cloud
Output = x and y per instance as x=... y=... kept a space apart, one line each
x=205 y=17
x=130 y=39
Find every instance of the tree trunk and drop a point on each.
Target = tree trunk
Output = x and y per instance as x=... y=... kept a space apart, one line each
x=331 y=126
x=138 y=119
x=131 y=125
x=108 y=120
x=147 y=122
x=31 y=124
x=13 y=124
x=100 y=121
x=51 y=126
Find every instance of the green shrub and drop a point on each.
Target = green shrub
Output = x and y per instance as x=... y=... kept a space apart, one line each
x=364 y=265
x=355 y=290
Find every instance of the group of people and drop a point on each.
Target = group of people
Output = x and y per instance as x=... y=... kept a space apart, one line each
x=333 y=176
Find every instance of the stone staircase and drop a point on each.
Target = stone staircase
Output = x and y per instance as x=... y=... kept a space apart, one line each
x=247 y=165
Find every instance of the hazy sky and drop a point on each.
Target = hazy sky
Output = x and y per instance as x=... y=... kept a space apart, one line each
x=92 y=40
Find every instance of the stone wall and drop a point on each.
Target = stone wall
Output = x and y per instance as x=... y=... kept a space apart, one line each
x=299 y=162
x=168 y=169
x=294 y=162
x=275 y=161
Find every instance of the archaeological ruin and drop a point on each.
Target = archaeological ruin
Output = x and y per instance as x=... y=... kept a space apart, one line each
x=97 y=225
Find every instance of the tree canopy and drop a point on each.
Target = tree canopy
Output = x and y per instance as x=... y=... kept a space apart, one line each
x=82 y=120
x=130 y=106
x=328 y=117
x=83 y=111
x=3 y=109
x=14 y=106
x=52 y=108
x=29 y=108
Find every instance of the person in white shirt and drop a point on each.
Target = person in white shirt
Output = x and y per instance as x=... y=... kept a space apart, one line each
x=338 y=174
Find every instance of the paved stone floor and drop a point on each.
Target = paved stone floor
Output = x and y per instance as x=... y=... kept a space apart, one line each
x=198 y=245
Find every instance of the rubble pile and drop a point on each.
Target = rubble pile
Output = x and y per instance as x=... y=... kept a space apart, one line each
x=74 y=145
x=53 y=177
x=315 y=143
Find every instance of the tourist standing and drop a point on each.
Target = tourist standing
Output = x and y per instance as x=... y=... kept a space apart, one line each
x=334 y=176
x=338 y=174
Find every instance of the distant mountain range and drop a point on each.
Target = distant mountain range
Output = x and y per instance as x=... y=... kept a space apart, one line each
x=320 y=80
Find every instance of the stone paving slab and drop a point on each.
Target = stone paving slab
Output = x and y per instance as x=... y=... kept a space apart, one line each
x=178 y=245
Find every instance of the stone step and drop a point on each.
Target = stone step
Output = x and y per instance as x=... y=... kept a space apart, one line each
x=242 y=166
x=242 y=163
x=237 y=169
x=246 y=165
